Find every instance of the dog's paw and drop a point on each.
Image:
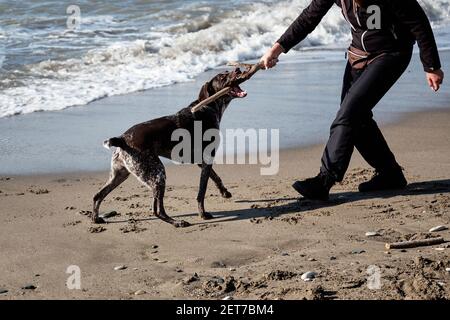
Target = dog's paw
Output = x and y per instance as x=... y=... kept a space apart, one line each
x=206 y=216
x=98 y=220
x=181 y=224
x=226 y=194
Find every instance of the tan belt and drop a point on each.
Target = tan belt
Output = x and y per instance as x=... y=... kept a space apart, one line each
x=360 y=59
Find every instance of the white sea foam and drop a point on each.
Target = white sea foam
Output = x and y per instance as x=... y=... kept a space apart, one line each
x=174 y=51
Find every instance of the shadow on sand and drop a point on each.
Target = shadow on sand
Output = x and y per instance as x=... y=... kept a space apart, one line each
x=299 y=205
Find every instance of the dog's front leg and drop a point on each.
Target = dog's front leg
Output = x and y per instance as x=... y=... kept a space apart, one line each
x=219 y=184
x=204 y=177
x=223 y=190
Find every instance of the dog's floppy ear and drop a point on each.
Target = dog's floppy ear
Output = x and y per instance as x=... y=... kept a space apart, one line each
x=204 y=93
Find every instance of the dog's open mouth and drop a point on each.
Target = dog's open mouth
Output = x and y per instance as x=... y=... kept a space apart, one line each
x=237 y=92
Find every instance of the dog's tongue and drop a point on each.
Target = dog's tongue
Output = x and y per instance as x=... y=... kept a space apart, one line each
x=241 y=94
x=238 y=92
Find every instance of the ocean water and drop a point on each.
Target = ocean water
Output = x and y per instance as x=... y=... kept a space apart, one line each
x=133 y=60
x=51 y=58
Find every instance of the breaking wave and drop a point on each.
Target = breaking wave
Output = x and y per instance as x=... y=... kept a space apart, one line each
x=113 y=55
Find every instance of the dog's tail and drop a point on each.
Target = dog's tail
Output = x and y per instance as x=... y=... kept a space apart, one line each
x=116 y=142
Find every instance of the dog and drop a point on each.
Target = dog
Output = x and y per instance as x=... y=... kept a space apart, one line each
x=139 y=148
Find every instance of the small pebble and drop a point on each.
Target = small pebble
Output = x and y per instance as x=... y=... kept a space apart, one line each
x=232 y=269
x=333 y=258
x=372 y=234
x=438 y=228
x=139 y=292
x=218 y=280
x=118 y=268
x=447 y=269
x=218 y=264
x=163 y=261
x=228 y=298
x=357 y=251
x=2 y=291
x=190 y=279
x=308 y=276
x=154 y=246
x=29 y=287
x=312 y=259
x=439 y=249
x=284 y=254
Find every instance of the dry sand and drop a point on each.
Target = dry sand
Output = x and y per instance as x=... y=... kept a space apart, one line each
x=262 y=241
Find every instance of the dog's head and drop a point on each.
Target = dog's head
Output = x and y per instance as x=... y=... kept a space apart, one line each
x=222 y=81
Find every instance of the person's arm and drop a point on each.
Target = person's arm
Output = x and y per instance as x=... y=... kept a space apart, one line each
x=411 y=14
x=299 y=29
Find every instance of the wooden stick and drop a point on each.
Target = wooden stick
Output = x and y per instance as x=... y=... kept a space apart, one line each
x=414 y=243
x=251 y=70
x=207 y=101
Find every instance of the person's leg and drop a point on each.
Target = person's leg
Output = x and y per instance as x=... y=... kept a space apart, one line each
x=318 y=188
x=372 y=146
x=354 y=124
x=369 y=140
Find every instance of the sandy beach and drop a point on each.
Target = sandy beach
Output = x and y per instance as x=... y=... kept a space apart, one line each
x=259 y=245
x=75 y=75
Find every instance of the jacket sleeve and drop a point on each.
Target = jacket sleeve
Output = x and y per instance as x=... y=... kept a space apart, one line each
x=305 y=23
x=411 y=14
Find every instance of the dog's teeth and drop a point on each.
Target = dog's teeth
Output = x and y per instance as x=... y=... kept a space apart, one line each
x=106 y=145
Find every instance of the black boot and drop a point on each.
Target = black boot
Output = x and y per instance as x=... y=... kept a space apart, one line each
x=386 y=180
x=317 y=188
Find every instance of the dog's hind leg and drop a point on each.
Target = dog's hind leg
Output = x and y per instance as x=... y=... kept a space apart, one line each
x=219 y=184
x=204 y=177
x=149 y=169
x=159 y=211
x=118 y=175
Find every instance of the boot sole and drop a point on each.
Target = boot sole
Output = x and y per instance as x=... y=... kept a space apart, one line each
x=298 y=187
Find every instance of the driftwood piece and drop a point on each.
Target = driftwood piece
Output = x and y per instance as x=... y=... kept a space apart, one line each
x=414 y=243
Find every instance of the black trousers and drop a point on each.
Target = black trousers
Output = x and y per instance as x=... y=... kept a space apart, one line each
x=354 y=125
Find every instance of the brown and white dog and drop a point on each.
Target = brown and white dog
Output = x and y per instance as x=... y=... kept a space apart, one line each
x=139 y=148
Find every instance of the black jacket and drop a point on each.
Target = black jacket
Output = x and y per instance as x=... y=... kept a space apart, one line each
x=403 y=22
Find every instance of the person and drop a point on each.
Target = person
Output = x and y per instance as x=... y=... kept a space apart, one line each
x=383 y=35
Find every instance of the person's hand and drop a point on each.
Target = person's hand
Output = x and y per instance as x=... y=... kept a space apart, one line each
x=435 y=79
x=270 y=59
